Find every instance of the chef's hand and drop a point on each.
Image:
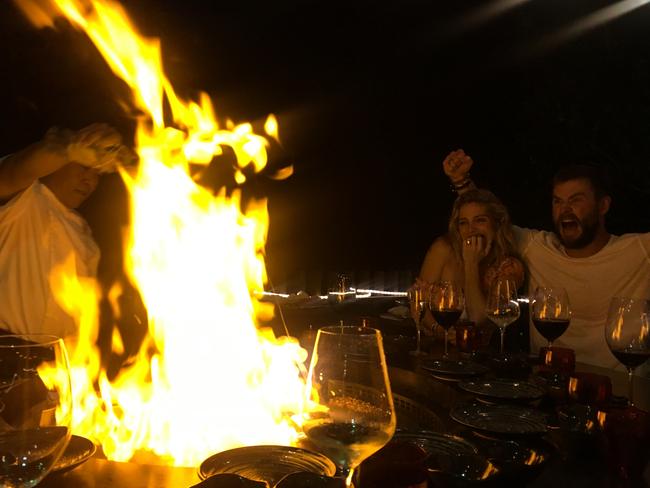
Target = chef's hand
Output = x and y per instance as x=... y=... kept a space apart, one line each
x=97 y=146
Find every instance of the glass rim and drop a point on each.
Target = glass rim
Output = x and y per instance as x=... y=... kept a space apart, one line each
x=348 y=330
x=629 y=299
x=47 y=340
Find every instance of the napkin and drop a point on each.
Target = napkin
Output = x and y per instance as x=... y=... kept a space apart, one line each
x=400 y=312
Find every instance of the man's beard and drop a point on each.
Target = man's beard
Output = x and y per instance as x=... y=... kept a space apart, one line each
x=588 y=230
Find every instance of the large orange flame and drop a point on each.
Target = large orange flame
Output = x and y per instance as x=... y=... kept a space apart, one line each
x=207 y=378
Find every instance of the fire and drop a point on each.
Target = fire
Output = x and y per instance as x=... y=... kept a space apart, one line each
x=207 y=378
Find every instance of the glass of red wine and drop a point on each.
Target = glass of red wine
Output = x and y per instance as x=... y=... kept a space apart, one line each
x=551 y=312
x=627 y=332
x=446 y=303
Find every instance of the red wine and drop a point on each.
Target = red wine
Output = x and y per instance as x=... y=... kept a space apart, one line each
x=631 y=357
x=446 y=318
x=551 y=329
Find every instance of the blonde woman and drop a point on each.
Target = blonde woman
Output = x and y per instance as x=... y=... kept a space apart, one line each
x=478 y=248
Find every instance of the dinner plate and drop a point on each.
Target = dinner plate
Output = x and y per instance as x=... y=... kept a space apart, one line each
x=452 y=367
x=503 y=389
x=78 y=451
x=437 y=443
x=266 y=463
x=501 y=419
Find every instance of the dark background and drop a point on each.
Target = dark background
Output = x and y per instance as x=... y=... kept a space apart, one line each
x=370 y=98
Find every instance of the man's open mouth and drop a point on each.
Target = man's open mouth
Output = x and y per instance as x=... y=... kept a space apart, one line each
x=569 y=225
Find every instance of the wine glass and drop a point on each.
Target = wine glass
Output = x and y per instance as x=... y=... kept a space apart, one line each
x=627 y=332
x=551 y=312
x=35 y=407
x=447 y=303
x=418 y=299
x=349 y=412
x=341 y=290
x=502 y=307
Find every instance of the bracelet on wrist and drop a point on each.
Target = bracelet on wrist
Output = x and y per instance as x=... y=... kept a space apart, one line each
x=463 y=184
x=463 y=179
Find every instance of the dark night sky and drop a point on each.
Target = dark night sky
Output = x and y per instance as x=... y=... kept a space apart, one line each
x=370 y=99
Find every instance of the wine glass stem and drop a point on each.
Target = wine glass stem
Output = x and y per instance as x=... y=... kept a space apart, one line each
x=630 y=386
x=502 y=330
x=446 y=331
x=348 y=477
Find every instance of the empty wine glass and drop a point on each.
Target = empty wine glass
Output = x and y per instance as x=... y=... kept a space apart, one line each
x=349 y=412
x=418 y=301
x=627 y=332
x=35 y=407
x=502 y=307
x=551 y=312
x=341 y=289
x=446 y=303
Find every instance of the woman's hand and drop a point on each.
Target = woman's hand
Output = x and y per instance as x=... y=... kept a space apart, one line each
x=457 y=165
x=474 y=249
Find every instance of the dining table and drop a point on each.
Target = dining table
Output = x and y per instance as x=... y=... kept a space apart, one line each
x=407 y=379
x=102 y=473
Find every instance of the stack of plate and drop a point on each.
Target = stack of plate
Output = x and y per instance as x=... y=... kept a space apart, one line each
x=266 y=463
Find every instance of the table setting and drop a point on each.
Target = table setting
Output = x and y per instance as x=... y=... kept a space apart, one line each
x=555 y=399
x=452 y=415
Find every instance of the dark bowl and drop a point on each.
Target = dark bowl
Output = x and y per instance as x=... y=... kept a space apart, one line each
x=460 y=470
x=450 y=460
x=578 y=418
x=519 y=459
x=400 y=462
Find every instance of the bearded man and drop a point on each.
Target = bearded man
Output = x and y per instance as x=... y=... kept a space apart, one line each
x=580 y=255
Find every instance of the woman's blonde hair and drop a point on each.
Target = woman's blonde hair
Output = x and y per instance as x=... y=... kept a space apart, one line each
x=504 y=241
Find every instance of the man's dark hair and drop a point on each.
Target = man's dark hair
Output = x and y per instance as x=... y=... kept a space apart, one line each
x=596 y=175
